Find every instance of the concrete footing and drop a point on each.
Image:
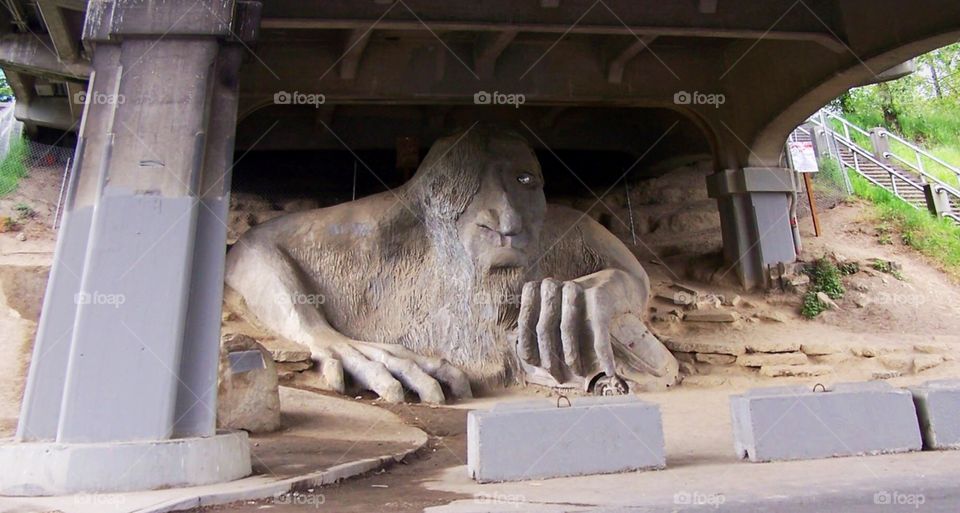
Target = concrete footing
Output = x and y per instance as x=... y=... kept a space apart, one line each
x=793 y=423
x=538 y=439
x=50 y=468
x=938 y=409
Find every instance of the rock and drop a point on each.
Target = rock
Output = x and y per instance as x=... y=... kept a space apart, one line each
x=688 y=369
x=247 y=400
x=710 y=315
x=795 y=283
x=228 y=316
x=716 y=359
x=704 y=381
x=680 y=294
x=771 y=359
x=708 y=301
x=289 y=370
x=21 y=236
x=294 y=366
x=732 y=301
x=926 y=361
x=771 y=316
x=861 y=300
x=823 y=348
x=684 y=356
x=872 y=351
x=825 y=299
x=771 y=346
x=673 y=315
x=931 y=348
x=897 y=362
x=888 y=374
x=704 y=346
x=676 y=297
x=833 y=359
x=283 y=350
x=777 y=371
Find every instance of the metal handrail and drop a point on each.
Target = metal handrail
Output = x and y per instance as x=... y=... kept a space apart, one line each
x=857 y=150
x=918 y=167
x=917 y=151
x=940 y=183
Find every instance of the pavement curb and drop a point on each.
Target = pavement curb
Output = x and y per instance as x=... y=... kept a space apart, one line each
x=261 y=490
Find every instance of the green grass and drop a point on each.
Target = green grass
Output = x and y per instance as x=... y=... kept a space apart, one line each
x=12 y=169
x=825 y=277
x=936 y=238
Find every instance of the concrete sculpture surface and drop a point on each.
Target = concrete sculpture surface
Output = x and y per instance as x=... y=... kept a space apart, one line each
x=462 y=279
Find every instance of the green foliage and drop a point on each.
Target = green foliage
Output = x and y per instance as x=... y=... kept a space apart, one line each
x=12 y=169
x=936 y=238
x=923 y=107
x=886 y=266
x=24 y=211
x=848 y=268
x=4 y=85
x=825 y=277
x=812 y=306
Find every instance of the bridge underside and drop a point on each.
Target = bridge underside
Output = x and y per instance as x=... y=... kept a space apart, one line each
x=727 y=78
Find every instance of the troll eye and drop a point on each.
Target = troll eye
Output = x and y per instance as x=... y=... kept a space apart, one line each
x=525 y=178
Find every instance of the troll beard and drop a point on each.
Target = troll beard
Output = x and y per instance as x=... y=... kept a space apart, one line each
x=472 y=317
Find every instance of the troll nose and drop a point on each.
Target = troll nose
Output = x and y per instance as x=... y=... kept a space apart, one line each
x=506 y=221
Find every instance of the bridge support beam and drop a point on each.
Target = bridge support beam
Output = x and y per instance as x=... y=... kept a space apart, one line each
x=755 y=219
x=125 y=360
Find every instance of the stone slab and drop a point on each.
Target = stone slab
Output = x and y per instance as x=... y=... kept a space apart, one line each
x=772 y=346
x=938 y=410
x=704 y=346
x=764 y=359
x=783 y=371
x=538 y=440
x=851 y=419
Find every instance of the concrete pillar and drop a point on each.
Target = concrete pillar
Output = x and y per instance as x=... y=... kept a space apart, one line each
x=127 y=345
x=755 y=220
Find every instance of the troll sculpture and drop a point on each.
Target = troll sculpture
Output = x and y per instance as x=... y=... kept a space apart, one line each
x=462 y=279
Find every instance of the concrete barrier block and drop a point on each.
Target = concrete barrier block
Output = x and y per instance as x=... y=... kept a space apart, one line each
x=537 y=439
x=938 y=410
x=794 y=423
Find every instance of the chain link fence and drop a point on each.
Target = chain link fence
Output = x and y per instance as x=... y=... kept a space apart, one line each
x=45 y=165
x=829 y=188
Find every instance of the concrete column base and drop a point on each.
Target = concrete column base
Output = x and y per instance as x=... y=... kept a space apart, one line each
x=755 y=219
x=33 y=469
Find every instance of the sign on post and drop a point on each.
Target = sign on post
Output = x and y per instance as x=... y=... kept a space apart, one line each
x=803 y=157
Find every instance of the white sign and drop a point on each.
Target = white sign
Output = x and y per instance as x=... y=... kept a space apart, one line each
x=803 y=157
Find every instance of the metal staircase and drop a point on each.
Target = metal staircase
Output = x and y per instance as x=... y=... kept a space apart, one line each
x=887 y=161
